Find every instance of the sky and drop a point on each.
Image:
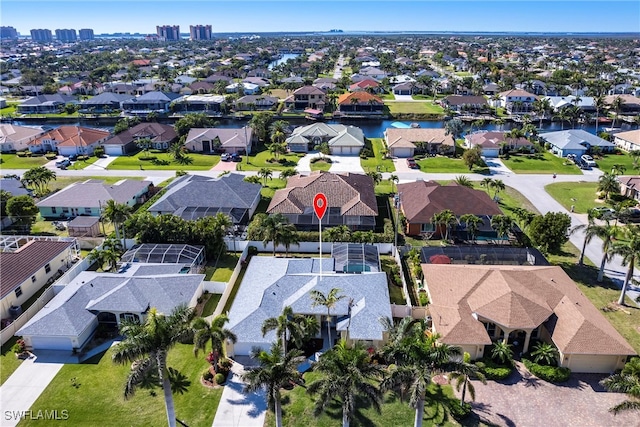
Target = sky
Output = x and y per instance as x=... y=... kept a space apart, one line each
x=322 y=15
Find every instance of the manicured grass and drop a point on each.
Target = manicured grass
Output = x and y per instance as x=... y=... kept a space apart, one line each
x=64 y=181
x=8 y=360
x=320 y=165
x=280 y=93
x=9 y=109
x=225 y=267
x=211 y=305
x=608 y=160
x=269 y=189
x=200 y=162
x=98 y=397
x=12 y=161
x=81 y=164
x=582 y=195
x=541 y=163
x=259 y=160
x=385 y=188
x=414 y=108
x=378 y=162
x=443 y=164
x=297 y=409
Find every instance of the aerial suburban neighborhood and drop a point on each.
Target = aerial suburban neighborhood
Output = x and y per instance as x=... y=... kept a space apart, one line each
x=319 y=227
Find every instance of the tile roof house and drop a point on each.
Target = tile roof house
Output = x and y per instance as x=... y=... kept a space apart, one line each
x=17 y=138
x=575 y=141
x=155 y=101
x=89 y=197
x=195 y=196
x=630 y=103
x=93 y=300
x=474 y=305
x=368 y=85
x=404 y=142
x=68 y=140
x=125 y=142
x=630 y=186
x=516 y=101
x=30 y=267
x=220 y=140
x=359 y=103
x=42 y=104
x=628 y=141
x=270 y=284
x=491 y=141
x=306 y=97
x=350 y=197
x=420 y=200
x=342 y=140
x=585 y=103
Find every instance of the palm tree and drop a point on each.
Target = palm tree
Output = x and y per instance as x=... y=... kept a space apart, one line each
x=347 y=374
x=109 y=254
x=563 y=115
x=502 y=224
x=545 y=353
x=473 y=223
x=147 y=345
x=265 y=173
x=464 y=181
x=144 y=144
x=464 y=372
x=288 y=173
x=629 y=249
x=502 y=351
x=116 y=213
x=393 y=179
x=214 y=332
x=627 y=381
x=444 y=219
x=609 y=184
x=329 y=301
x=606 y=233
x=284 y=326
x=498 y=186
x=591 y=230
x=277 y=369
x=617 y=107
x=274 y=228
x=618 y=169
x=38 y=178
x=486 y=183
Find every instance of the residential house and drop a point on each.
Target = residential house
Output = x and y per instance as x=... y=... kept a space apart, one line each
x=202 y=87
x=69 y=140
x=45 y=104
x=464 y=103
x=125 y=142
x=401 y=78
x=220 y=140
x=306 y=97
x=372 y=73
x=256 y=102
x=368 y=85
x=218 y=77
x=516 y=101
x=575 y=141
x=628 y=141
x=491 y=142
x=150 y=102
x=270 y=284
x=351 y=200
x=122 y=89
x=102 y=301
x=17 y=138
x=630 y=186
x=14 y=186
x=405 y=142
x=195 y=196
x=359 y=103
x=421 y=200
x=29 y=266
x=408 y=88
x=585 y=103
x=260 y=72
x=341 y=139
x=106 y=102
x=262 y=82
x=490 y=89
x=630 y=103
x=207 y=103
x=515 y=304
x=89 y=197
x=247 y=88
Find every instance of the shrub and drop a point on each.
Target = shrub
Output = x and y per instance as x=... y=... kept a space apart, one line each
x=83 y=158
x=424 y=299
x=460 y=412
x=147 y=158
x=161 y=162
x=19 y=346
x=553 y=374
x=493 y=370
x=207 y=375
x=252 y=251
x=366 y=152
x=220 y=378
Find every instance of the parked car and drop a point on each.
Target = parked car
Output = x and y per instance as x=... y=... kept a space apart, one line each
x=73 y=157
x=571 y=158
x=235 y=157
x=411 y=162
x=602 y=212
x=630 y=215
x=225 y=157
x=63 y=164
x=588 y=160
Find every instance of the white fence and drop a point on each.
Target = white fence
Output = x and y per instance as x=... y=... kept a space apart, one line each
x=302 y=247
x=232 y=282
x=214 y=287
x=9 y=331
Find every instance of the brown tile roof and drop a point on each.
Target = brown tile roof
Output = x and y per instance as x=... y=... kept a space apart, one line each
x=630 y=181
x=69 y=136
x=517 y=297
x=493 y=139
x=352 y=193
x=308 y=90
x=18 y=266
x=518 y=93
x=413 y=135
x=156 y=131
x=362 y=97
x=422 y=199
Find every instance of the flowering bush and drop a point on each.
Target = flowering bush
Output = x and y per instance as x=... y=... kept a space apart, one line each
x=19 y=346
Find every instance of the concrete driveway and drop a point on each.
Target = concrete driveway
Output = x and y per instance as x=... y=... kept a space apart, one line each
x=524 y=400
x=237 y=409
x=345 y=164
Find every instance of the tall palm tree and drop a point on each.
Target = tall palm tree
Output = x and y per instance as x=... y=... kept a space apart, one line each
x=627 y=381
x=288 y=173
x=629 y=249
x=116 y=213
x=498 y=186
x=329 y=301
x=109 y=254
x=618 y=169
x=274 y=228
x=265 y=173
x=284 y=325
x=148 y=344
x=347 y=374
x=214 y=332
x=607 y=233
x=591 y=230
x=277 y=369
x=464 y=372
x=444 y=219
x=563 y=115
x=472 y=223
x=609 y=184
x=393 y=178
x=616 y=104
x=486 y=183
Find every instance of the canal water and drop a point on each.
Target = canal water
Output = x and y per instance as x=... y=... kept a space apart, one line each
x=283 y=58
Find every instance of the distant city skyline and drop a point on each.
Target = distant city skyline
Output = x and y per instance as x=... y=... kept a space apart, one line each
x=119 y=16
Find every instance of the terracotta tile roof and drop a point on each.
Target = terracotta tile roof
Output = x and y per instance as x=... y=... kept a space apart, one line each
x=156 y=131
x=362 y=97
x=18 y=266
x=517 y=297
x=421 y=199
x=363 y=84
x=70 y=136
x=413 y=135
x=352 y=193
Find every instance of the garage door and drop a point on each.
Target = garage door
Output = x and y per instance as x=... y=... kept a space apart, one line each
x=402 y=152
x=51 y=343
x=113 y=150
x=592 y=364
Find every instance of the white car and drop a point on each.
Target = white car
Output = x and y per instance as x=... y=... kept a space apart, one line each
x=588 y=160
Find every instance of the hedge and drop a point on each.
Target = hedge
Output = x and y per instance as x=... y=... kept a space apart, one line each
x=553 y=374
x=493 y=370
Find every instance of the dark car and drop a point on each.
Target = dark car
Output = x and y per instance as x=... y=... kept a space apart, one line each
x=63 y=164
x=235 y=157
x=73 y=157
x=411 y=162
x=630 y=215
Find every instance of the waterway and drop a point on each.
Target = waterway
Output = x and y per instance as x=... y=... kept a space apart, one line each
x=283 y=58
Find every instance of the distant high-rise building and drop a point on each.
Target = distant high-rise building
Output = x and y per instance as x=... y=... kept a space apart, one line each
x=41 y=35
x=200 y=32
x=168 y=32
x=66 y=36
x=8 y=33
x=86 y=34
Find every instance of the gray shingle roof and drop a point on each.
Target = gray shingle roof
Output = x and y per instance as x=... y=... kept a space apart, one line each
x=575 y=139
x=92 y=193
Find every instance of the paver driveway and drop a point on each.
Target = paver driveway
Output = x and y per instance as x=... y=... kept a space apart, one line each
x=525 y=401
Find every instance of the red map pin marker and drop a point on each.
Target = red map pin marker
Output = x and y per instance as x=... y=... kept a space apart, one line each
x=320 y=205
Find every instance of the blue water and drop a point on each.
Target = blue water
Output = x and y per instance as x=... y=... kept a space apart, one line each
x=284 y=58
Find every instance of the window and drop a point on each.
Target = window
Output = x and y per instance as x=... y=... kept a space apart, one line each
x=87 y=210
x=426 y=227
x=65 y=210
x=53 y=210
x=491 y=329
x=33 y=278
x=47 y=268
x=18 y=291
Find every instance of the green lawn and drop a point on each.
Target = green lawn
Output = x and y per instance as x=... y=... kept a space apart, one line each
x=225 y=267
x=8 y=360
x=211 y=305
x=414 y=108
x=81 y=164
x=98 y=397
x=297 y=410
x=443 y=164
x=258 y=160
x=200 y=162
x=12 y=161
x=378 y=162
x=10 y=109
x=541 y=163
x=320 y=165
x=607 y=161
x=582 y=195
x=269 y=189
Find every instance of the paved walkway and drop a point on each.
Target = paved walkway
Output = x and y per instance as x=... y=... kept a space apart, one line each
x=101 y=163
x=237 y=409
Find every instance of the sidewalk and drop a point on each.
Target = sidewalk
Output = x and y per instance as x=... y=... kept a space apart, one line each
x=237 y=409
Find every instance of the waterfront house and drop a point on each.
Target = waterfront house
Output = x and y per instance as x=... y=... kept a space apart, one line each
x=491 y=142
x=17 y=138
x=306 y=97
x=161 y=137
x=69 y=140
x=256 y=102
x=150 y=102
x=406 y=142
x=628 y=141
x=359 y=103
x=219 y=140
x=106 y=102
x=45 y=104
x=207 y=104
x=466 y=103
x=341 y=139
x=576 y=142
